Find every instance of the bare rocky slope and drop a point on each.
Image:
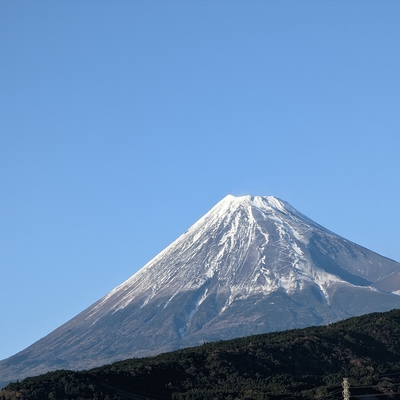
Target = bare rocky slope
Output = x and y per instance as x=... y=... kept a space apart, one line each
x=250 y=265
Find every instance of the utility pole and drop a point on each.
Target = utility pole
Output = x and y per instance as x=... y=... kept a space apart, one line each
x=346 y=386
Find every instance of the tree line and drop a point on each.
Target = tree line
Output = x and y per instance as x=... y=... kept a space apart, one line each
x=305 y=363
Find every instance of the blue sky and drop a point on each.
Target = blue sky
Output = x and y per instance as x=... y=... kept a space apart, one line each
x=123 y=122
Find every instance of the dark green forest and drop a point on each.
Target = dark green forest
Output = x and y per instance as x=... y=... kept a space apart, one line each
x=305 y=363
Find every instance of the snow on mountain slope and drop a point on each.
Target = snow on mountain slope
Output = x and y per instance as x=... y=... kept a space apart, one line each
x=250 y=265
x=235 y=232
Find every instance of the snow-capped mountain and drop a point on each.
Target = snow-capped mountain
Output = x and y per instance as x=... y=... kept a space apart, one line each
x=250 y=265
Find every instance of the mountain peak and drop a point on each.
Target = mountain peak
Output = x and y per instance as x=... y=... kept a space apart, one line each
x=269 y=204
x=262 y=202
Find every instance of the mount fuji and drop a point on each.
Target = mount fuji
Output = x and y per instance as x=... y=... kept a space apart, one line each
x=250 y=265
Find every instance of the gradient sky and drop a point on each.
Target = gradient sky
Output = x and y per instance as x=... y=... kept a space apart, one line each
x=123 y=122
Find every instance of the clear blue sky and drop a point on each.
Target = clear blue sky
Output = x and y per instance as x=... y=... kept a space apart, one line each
x=123 y=122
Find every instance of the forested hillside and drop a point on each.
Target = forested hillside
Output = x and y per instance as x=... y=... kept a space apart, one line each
x=303 y=363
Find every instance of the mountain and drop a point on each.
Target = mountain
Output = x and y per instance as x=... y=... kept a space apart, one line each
x=308 y=363
x=250 y=265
